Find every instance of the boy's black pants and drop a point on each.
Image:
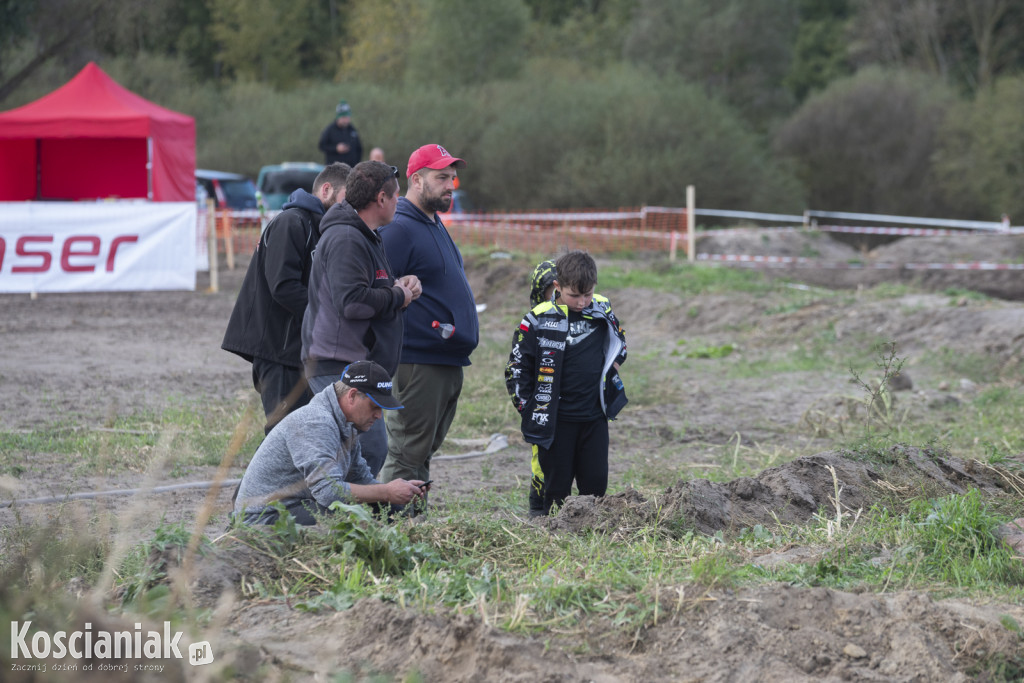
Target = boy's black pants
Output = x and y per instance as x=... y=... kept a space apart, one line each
x=580 y=452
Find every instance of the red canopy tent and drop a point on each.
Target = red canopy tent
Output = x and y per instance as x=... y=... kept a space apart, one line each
x=92 y=139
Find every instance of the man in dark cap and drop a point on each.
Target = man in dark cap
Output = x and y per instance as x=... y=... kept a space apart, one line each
x=312 y=458
x=340 y=140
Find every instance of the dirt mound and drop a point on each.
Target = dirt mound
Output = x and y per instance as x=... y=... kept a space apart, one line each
x=862 y=254
x=375 y=637
x=952 y=248
x=769 y=633
x=776 y=633
x=791 y=493
x=809 y=245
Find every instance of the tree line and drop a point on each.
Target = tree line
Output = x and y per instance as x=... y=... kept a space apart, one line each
x=888 y=106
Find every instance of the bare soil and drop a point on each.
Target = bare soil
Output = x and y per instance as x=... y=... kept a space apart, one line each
x=79 y=361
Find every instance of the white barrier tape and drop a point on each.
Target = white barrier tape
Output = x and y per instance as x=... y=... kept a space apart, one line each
x=876 y=230
x=582 y=229
x=512 y=222
x=749 y=215
x=914 y=220
x=803 y=262
x=559 y=217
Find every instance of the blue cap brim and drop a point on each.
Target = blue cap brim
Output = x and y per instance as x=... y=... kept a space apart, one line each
x=377 y=403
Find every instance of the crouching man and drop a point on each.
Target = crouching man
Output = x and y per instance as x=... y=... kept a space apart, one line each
x=313 y=458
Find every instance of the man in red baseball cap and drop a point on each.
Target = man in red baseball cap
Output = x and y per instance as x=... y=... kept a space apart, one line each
x=429 y=376
x=434 y=157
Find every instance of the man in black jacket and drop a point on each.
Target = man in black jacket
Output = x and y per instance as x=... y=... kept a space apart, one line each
x=265 y=327
x=340 y=141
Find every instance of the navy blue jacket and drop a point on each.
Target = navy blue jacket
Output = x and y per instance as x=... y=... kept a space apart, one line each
x=419 y=245
x=266 y=321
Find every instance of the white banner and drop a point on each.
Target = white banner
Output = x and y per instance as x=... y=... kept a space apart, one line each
x=97 y=247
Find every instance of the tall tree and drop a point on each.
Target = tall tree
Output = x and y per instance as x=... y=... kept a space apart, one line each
x=979 y=161
x=588 y=34
x=380 y=31
x=967 y=42
x=821 y=46
x=483 y=41
x=739 y=50
x=49 y=28
x=276 y=41
x=867 y=143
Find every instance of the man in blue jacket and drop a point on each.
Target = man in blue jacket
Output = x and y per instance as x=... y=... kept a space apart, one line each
x=441 y=328
x=265 y=327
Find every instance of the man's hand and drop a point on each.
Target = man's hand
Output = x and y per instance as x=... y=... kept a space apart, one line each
x=401 y=492
x=411 y=288
x=412 y=283
x=341 y=148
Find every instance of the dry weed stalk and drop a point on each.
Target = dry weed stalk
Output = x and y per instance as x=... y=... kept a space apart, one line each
x=834 y=527
x=1015 y=481
x=892 y=488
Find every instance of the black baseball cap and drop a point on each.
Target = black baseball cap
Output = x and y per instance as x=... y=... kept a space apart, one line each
x=373 y=380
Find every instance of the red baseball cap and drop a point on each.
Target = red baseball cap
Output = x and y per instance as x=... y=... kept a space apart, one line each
x=433 y=157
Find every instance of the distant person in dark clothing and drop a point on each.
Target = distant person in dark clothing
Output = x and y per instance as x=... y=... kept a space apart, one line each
x=265 y=327
x=340 y=140
x=429 y=379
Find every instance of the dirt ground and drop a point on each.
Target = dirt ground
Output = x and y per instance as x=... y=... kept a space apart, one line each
x=79 y=360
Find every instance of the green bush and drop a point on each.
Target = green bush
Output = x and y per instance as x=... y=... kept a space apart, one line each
x=979 y=158
x=867 y=142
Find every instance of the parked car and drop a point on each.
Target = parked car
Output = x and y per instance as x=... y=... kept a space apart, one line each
x=277 y=181
x=229 y=190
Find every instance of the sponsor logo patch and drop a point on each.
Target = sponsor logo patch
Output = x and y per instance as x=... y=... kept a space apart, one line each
x=551 y=344
x=548 y=370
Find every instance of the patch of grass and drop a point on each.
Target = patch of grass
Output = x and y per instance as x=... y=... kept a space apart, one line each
x=957 y=536
x=719 y=351
x=184 y=435
x=813 y=352
x=890 y=290
x=51 y=553
x=988 y=426
x=142 y=581
x=684 y=278
x=977 y=367
x=957 y=294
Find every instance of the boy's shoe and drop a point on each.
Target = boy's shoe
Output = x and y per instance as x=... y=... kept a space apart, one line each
x=534 y=512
